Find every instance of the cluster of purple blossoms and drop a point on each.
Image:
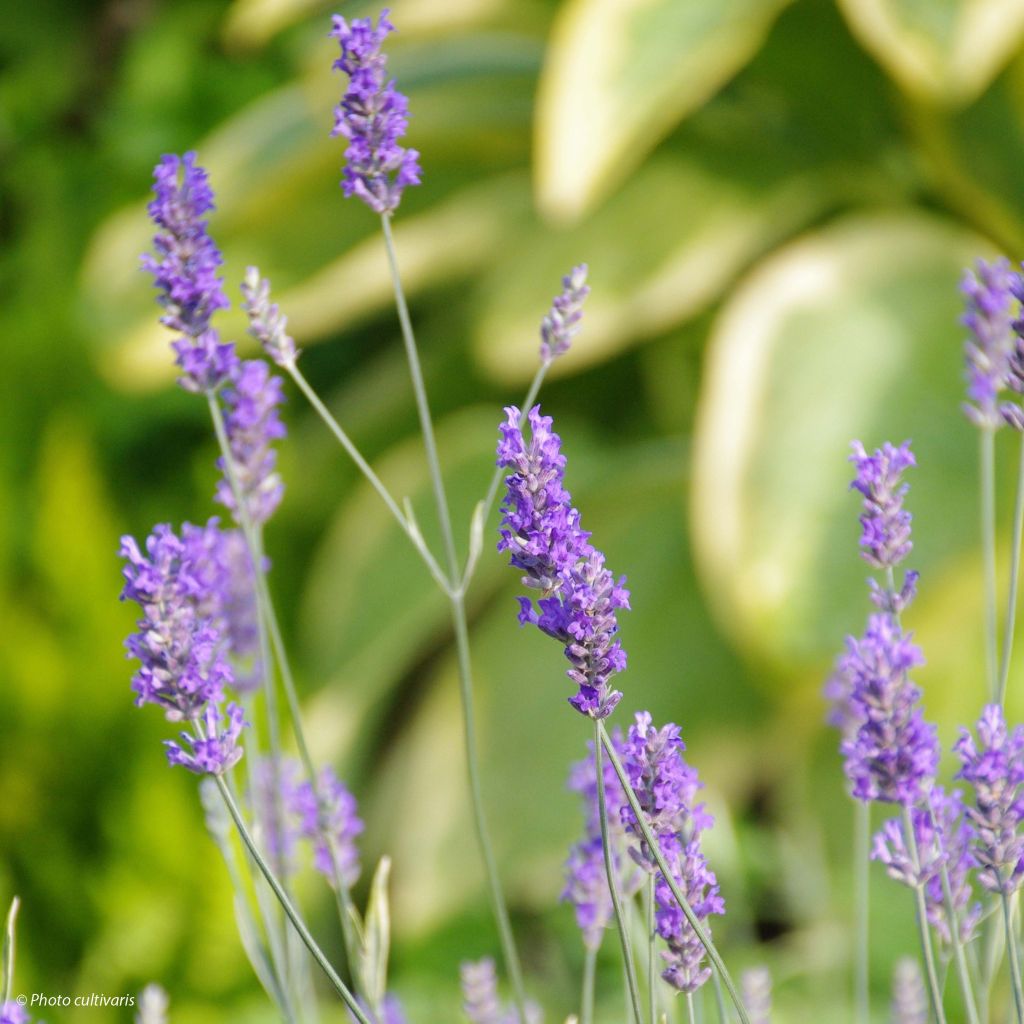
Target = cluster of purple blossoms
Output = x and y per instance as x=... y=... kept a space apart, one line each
x=885 y=537
x=184 y=268
x=586 y=877
x=267 y=324
x=373 y=116
x=252 y=423
x=666 y=788
x=179 y=583
x=893 y=755
x=12 y=1012
x=994 y=767
x=562 y=322
x=480 y=1000
x=989 y=292
x=577 y=596
x=942 y=836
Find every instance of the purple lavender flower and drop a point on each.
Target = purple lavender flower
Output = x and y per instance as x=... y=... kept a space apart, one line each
x=995 y=769
x=480 y=1001
x=184 y=268
x=252 y=426
x=942 y=836
x=562 y=322
x=578 y=597
x=13 y=1013
x=373 y=116
x=273 y=799
x=215 y=749
x=239 y=609
x=179 y=642
x=756 y=992
x=989 y=292
x=335 y=822
x=267 y=324
x=894 y=753
x=909 y=997
x=886 y=524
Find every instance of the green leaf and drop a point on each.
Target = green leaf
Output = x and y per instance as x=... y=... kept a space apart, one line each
x=620 y=74
x=377 y=935
x=852 y=332
x=671 y=268
x=946 y=50
x=7 y=957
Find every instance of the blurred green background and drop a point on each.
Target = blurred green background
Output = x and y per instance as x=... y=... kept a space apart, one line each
x=776 y=201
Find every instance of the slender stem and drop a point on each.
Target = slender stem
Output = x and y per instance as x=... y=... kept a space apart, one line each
x=367 y=470
x=652 y=971
x=988 y=543
x=723 y=1014
x=861 y=895
x=691 y=1015
x=699 y=930
x=1011 y=603
x=613 y=885
x=1014 y=953
x=935 y=991
x=422 y=405
x=587 y=995
x=289 y=908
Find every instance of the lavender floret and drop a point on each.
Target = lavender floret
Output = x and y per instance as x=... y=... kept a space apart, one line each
x=561 y=324
x=184 y=268
x=216 y=750
x=267 y=324
x=994 y=767
x=577 y=596
x=252 y=425
x=989 y=292
x=894 y=754
x=373 y=116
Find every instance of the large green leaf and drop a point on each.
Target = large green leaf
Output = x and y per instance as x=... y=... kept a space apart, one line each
x=849 y=333
x=620 y=74
x=949 y=50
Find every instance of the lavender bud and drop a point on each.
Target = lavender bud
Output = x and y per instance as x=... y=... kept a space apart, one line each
x=562 y=322
x=989 y=292
x=266 y=321
x=373 y=116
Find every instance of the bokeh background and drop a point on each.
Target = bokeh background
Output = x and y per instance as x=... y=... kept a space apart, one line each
x=776 y=200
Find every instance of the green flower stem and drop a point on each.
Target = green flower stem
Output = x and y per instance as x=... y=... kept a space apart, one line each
x=367 y=470
x=987 y=456
x=655 y=847
x=508 y=946
x=613 y=885
x=934 y=990
x=861 y=895
x=723 y=1013
x=1014 y=953
x=652 y=970
x=293 y=915
x=458 y=612
x=691 y=1014
x=587 y=994
x=1011 y=602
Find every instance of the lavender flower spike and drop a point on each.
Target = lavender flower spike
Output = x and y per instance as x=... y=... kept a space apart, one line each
x=562 y=322
x=215 y=750
x=252 y=425
x=909 y=997
x=184 y=268
x=334 y=823
x=480 y=1001
x=989 y=292
x=373 y=116
x=994 y=766
x=578 y=597
x=885 y=524
x=756 y=987
x=267 y=324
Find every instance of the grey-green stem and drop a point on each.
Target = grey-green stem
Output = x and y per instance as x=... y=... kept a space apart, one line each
x=988 y=543
x=934 y=989
x=587 y=995
x=1011 y=601
x=613 y=883
x=289 y=908
x=652 y=970
x=1014 y=954
x=861 y=895
x=699 y=930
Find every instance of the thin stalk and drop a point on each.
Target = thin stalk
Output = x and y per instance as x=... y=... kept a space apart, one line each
x=1011 y=603
x=508 y=945
x=422 y=405
x=861 y=895
x=458 y=611
x=289 y=908
x=1014 y=953
x=652 y=972
x=988 y=543
x=723 y=1013
x=367 y=470
x=613 y=885
x=587 y=993
x=691 y=1014
x=934 y=990
x=699 y=930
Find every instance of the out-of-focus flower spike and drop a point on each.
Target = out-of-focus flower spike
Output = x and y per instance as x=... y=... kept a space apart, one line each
x=990 y=291
x=152 y=1006
x=885 y=537
x=562 y=322
x=756 y=990
x=909 y=996
x=267 y=324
